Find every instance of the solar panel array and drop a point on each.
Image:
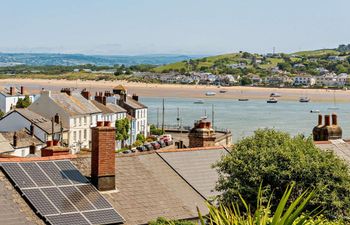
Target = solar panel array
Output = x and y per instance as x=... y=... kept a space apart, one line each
x=60 y=193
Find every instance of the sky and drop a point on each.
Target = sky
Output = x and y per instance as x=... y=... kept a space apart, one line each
x=134 y=27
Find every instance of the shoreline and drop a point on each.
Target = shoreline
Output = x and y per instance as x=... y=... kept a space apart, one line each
x=183 y=91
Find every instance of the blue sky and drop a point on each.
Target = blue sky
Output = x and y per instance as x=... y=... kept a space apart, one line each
x=118 y=27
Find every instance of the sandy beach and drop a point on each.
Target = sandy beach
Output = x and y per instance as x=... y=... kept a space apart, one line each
x=183 y=91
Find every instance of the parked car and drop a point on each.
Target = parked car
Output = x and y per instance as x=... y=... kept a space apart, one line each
x=155 y=145
x=162 y=143
x=149 y=146
x=168 y=143
x=141 y=148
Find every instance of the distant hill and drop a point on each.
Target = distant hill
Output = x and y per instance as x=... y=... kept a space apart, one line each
x=43 y=59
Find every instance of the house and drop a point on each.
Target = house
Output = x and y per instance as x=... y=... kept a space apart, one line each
x=187 y=181
x=336 y=58
x=305 y=80
x=41 y=126
x=342 y=79
x=9 y=98
x=133 y=107
x=22 y=143
x=76 y=112
x=238 y=66
x=328 y=79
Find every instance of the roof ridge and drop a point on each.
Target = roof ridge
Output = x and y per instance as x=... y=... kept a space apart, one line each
x=191 y=149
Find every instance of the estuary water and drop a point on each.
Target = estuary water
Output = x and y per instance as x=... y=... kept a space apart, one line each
x=242 y=118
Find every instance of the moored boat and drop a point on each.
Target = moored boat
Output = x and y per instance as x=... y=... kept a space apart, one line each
x=243 y=99
x=210 y=93
x=199 y=101
x=304 y=99
x=272 y=100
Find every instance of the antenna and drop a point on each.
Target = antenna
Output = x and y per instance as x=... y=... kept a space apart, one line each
x=178 y=117
x=163 y=117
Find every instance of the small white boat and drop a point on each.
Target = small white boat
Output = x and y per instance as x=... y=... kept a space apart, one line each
x=210 y=93
x=199 y=101
x=314 y=111
x=274 y=95
x=243 y=99
x=272 y=100
x=304 y=99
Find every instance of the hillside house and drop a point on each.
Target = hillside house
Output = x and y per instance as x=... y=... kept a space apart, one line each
x=9 y=98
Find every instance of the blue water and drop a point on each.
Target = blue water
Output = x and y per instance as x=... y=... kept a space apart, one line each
x=242 y=118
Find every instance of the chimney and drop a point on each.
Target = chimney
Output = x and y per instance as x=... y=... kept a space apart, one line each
x=32 y=149
x=104 y=100
x=67 y=91
x=86 y=94
x=327 y=120
x=57 y=118
x=135 y=97
x=15 y=140
x=103 y=156
x=319 y=120
x=31 y=130
x=12 y=90
x=334 y=119
x=45 y=93
x=22 y=90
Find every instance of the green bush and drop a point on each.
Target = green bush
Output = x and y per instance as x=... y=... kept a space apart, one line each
x=23 y=103
x=275 y=159
x=164 y=221
x=156 y=131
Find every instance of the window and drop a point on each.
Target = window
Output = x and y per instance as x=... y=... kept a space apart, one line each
x=74 y=135
x=85 y=134
x=79 y=135
x=79 y=121
x=84 y=120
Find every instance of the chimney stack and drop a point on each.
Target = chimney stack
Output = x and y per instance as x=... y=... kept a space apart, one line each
x=32 y=130
x=86 y=94
x=103 y=156
x=67 y=91
x=12 y=90
x=22 y=90
x=334 y=119
x=135 y=97
x=327 y=121
x=15 y=139
x=57 y=118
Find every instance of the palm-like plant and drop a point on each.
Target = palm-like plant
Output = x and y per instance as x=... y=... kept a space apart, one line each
x=294 y=214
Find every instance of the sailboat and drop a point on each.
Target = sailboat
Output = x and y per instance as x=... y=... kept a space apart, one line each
x=243 y=99
x=334 y=103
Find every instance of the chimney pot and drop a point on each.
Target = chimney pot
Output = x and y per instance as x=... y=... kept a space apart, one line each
x=334 y=119
x=107 y=123
x=327 y=120
x=12 y=90
x=49 y=143
x=32 y=130
x=100 y=123
x=22 y=90
x=15 y=139
x=57 y=118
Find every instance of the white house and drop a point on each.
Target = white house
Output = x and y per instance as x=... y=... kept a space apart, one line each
x=342 y=79
x=76 y=112
x=306 y=80
x=328 y=79
x=41 y=127
x=9 y=98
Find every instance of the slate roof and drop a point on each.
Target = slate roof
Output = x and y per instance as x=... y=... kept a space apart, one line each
x=116 y=108
x=13 y=209
x=43 y=123
x=24 y=138
x=6 y=92
x=134 y=104
x=148 y=188
x=340 y=147
x=74 y=104
x=195 y=166
x=104 y=109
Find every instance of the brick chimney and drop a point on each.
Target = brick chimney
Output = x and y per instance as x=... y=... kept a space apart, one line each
x=68 y=91
x=201 y=135
x=22 y=90
x=12 y=90
x=327 y=131
x=53 y=149
x=15 y=139
x=135 y=97
x=103 y=156
x=86 y=94
x=31 y=129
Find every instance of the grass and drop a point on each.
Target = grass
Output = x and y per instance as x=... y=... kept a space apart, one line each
x=317 y=53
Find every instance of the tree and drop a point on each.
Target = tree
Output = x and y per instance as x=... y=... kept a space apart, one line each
x=156 y=131
x=245 y=81
x=140 y=137
x=1 y=113
x=23 y=103
x=276 y=159
x=122 y=130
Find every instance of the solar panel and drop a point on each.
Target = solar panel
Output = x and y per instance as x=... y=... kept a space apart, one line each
x=60 y=193
x=37 y=175
x=73 y=218
x=59 y=200
x=94 y=196
x=55 y=174
x=107 y=216
x=17 y=175
x=40 y=202
x=71 y=172
x=77 y=198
